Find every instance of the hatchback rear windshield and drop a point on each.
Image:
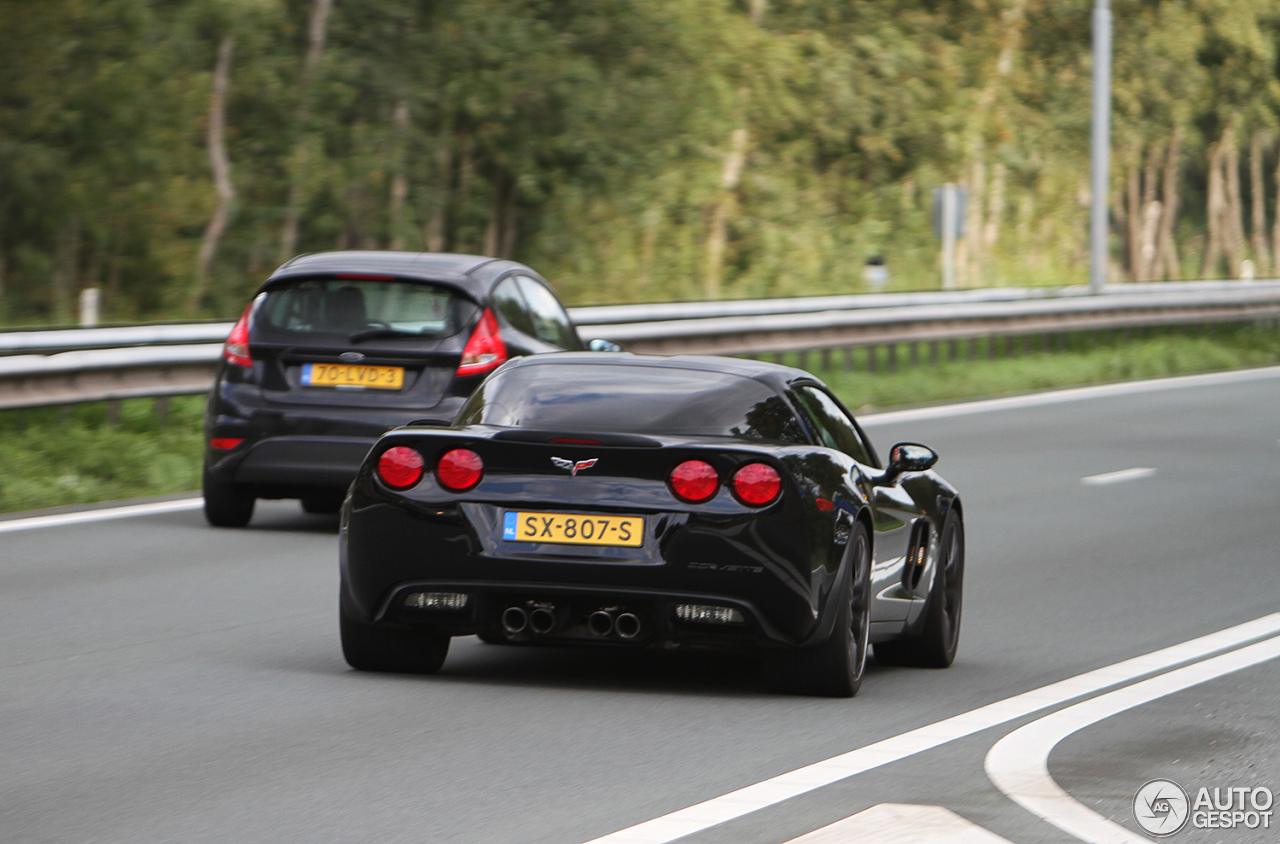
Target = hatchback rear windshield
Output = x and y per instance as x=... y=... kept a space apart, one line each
x=349 y=306
x=632 y=399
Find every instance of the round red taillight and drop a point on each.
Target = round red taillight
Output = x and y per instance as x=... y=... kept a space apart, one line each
x=694 y=481
x=459 y=469
x=756 y=484
x=400 y=467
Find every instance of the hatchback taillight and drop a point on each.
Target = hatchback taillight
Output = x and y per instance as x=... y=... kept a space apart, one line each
x=236 y=349
x=694 y=481
x=756 y=484
x=459 y=469
x=484 y=350
x=400 y=467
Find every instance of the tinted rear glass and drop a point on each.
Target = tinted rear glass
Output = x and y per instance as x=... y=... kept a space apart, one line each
x=345 y=306
x=632 y=399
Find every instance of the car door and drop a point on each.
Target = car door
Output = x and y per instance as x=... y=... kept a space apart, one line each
x=894 y=513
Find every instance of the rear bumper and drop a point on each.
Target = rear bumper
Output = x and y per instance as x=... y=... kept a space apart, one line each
x=389 y=552
x=289 y=449
x=570 y=609
x=302 y=461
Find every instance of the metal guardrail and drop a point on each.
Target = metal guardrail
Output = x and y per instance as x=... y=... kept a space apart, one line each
x=107 y=375
x=104 y=364
x=831 y=329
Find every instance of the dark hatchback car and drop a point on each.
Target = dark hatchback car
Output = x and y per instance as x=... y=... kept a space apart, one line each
x=339 y=347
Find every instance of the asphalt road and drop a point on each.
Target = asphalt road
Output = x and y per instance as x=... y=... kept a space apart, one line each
x=163 y=681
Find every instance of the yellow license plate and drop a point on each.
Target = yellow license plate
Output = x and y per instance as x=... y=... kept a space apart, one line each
x=573 y=528
x=352 y=375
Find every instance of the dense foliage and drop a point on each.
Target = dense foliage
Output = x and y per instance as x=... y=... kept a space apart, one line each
x=171 y=152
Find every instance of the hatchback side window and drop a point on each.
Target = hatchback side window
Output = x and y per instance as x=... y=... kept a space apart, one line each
x=836 y=429
x=550 y=321
x=510 y=303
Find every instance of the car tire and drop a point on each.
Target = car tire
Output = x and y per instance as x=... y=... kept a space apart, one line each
x=834 y=668
x=369 y=647
x=325 y=503
x=226 y=504
x=936 y=644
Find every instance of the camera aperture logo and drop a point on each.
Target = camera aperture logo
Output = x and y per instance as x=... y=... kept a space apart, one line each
x=1162 y=807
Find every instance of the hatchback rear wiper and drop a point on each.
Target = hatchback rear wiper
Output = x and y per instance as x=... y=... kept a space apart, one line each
x=376 y=333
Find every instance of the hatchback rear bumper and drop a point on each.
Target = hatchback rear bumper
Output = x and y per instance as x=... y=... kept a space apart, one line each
x=302 y=461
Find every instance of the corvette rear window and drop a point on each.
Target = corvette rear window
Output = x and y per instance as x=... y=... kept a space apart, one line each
x=346 y=306
x=632 y=399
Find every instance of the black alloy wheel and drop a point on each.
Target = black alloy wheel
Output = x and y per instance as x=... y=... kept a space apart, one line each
x=936 y=644
x=834 y=668
x=369 y=647
x=225 y=504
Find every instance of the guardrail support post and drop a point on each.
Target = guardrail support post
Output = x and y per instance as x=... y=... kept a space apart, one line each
x=848 y=358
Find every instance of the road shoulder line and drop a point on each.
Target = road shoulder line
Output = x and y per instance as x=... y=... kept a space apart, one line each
x=129 y=510
x=1018 y=764
x=744 y=801
x=1125 y=388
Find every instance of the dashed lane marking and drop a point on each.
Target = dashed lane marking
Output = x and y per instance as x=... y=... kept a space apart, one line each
x=1106 y=478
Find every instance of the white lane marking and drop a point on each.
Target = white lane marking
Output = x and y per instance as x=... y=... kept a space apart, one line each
x=1018 y=764
x=894 y=417
x=902 y=823
x=769 y=792
x=1135 y=474
x=128 y=511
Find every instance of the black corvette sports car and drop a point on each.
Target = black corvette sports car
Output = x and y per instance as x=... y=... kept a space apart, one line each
x=633 y=501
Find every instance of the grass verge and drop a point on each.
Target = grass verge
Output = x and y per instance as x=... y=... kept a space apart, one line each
x=51 y=456
x=78 y=455
x=1084 y=361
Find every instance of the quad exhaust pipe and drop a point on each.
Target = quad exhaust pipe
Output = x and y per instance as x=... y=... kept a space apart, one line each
x=626 y=625
x=515 y=620
x=600 y=623
x=540 y=620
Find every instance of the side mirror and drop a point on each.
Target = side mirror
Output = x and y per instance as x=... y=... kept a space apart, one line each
x=909 y=457
x=599 y=344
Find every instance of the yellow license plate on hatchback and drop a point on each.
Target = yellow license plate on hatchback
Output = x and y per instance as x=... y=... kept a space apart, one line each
x=352 y=375
x=573 y=528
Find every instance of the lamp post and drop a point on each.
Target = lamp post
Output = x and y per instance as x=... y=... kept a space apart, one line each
x=1100 y=146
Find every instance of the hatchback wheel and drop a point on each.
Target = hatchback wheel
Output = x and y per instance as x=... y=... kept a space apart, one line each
x=226 y=504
